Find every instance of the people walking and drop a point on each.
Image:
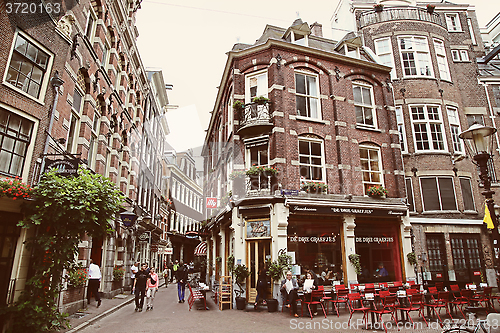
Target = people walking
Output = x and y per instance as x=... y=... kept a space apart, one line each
x=152 y=288
x=140 y=282
x=94 y=281
x=134 y=269
x=181 y=276
x=166 y=275
x=175 y=267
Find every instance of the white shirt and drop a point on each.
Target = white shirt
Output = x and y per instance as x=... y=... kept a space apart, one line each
x=94 y=272
x=134 y=270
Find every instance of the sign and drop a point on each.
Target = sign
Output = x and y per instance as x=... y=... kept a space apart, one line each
x=439 y=275
x=66 y=167
x=290 y=192
x=169 y=250
x=128 y=218
x=374 y=240
x=144 y=237
x=328 y=210
x=312 y=239
x=258 y=229
x=477 y=273
x=211 y=203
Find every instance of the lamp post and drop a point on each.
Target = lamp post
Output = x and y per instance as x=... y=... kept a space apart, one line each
x=478 y=141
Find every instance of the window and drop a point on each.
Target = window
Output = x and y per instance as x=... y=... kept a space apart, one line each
x=455 y=55
x=436 y=253
x=427 y=128
x=90 y=25
x=74 y=125
x=415 y=56
x=370 y=166
x=363 y=104
x=311 y=162
x=453 y=22
x=307 y=96
x=467 y=257
x=401 y=128
x=28 y=67
x=467 y=196
x=383 y=48
x=460 y=55
x=475 y=118
x=256 y=86
x=454 y=129
x=15 y=137
x=444 y=71
x=409 y=194
x=438 y=193
x=257 y=155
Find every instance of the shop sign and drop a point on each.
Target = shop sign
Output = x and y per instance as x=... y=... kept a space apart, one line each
x=258 y=229
x=374 y=240
x=299 y=209
x=290 y=192
x=477 y=273
x=65 y=167
x=312 y=239
x=144 y=237
x=439 y=275
x=169 y=250
x=211 y=203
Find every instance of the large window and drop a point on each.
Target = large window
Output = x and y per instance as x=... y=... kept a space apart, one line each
x=15 y=136
x=311 y=160
x=444 y=71
x=383 y=48
x=307 y=95
x=436 y=255
x=467 y=257
x=415 y=56
x=371 y=167
x=427 y=128
x=467 y=196
x=438 y=193
x=28 y=67
x=256 y=86
x=454 y=129
x=364 y=104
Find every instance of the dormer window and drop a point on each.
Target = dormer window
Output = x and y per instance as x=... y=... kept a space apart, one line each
x=297 y=38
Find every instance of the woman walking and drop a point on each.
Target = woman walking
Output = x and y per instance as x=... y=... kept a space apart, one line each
x=152 y=288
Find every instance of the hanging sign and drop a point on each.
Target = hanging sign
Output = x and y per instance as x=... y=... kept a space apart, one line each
x=312 y=239
x=66 y=167
x=258 y=229
x=212 y=203
x=169 y=250
x=128 y=218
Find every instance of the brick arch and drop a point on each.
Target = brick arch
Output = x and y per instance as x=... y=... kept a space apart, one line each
x=362 y=77
x=369 y=143
x=316 y=67
x=310 y=136
x=251 y=68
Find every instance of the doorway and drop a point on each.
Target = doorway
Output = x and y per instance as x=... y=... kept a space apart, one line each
x=257 y=254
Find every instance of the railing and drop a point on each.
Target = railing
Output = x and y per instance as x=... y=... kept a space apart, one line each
x=258 y=183
x=393 y=14
x=255 y=113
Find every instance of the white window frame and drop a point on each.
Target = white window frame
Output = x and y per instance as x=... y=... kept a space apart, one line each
x=401 y=129
x=385 y=54
x=419 y=48
x=364 y=105
x=442 y=61
x=368 y=184
x=262 y=85
x=455 y=55
x=323 y=166
x=248 y=156
x=439 y=193
x=453 y=22
x=90 y=31
x=46 y=75
x=464 y=55
x=455 y=130
x=309 y=98
x=427 y=122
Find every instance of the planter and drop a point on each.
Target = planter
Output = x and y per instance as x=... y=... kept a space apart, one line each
x=272 y=305
x=430 y=9
x=241 y=303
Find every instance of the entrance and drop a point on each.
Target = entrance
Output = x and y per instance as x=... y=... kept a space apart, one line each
x=9 y=233
x=467 y=258
x=257 y=254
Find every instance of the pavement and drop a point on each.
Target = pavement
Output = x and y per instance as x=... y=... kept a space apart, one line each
x=118 y=315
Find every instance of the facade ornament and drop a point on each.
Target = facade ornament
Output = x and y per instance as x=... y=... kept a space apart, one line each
x=65 y=24
x=74 y=46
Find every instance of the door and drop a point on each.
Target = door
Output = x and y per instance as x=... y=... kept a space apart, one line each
x=9 y=234
x=467 y=258
x=438 y=264
x=257 y=254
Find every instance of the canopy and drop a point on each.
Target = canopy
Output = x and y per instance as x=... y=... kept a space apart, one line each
x=201 y=249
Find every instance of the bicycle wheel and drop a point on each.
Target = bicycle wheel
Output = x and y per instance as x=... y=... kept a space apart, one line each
x=458 y=330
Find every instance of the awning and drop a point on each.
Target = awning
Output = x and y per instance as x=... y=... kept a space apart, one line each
x=201 y=249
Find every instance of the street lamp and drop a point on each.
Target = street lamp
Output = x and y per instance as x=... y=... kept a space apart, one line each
x=479 y=145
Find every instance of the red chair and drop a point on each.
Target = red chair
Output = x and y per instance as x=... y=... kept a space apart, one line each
x=439 y=303
x=416 y=304
x=354 y=286
x=389 y=305
x=411 y=292
x=342 y=298
x=325 y=298
x=369 y=285
x=459 y=302
x=194 y=296
x=411 y=282
x=484 y=298
x=314 y=297
x=383 y=285
x=384 y=293
x=398 y=284
x=454 y=288
x=439 y=285
x=353 y=299
x=393 y=290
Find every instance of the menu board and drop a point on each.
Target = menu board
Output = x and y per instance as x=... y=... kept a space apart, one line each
x=258 y=229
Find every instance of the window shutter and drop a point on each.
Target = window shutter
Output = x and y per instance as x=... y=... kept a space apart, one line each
x=467 y=194
x=430 y=194
x=447 y=194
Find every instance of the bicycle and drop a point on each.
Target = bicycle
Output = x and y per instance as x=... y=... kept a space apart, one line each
x=482 y=325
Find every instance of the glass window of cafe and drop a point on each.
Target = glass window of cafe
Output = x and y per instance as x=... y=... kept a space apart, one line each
x=377 y=243
x=316 y=244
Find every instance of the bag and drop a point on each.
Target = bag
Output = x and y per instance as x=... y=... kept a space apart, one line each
x=153 y=281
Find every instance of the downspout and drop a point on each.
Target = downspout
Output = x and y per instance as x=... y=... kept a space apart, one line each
x=490 y=110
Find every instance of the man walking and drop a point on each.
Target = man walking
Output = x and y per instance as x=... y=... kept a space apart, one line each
x=139 y=289
x=182 y=274
x=94 y=281
x=175 y=267
x=134 y=269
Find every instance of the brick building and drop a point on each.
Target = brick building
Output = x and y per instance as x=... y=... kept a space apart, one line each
x=74 y=88
x=323 y=118
x=439 y=91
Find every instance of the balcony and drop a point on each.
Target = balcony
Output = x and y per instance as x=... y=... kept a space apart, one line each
x=255 y=119
x=393 y=14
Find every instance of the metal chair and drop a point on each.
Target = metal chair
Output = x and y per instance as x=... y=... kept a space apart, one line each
x=315 y=297
x=353 y=299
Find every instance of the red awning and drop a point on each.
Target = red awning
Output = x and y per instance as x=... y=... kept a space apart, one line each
x=201 y=249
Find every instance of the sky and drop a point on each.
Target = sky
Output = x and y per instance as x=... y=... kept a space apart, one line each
x=189 y=42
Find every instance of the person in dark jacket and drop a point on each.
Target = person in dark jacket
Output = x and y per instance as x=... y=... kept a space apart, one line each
x=181 y=277
x=261 y=287
x=141 y=279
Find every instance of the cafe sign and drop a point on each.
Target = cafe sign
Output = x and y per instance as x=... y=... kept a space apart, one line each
x=63 y=167
x=328 y=210
x=312 y=239
x=374 y=240
x=259 y=229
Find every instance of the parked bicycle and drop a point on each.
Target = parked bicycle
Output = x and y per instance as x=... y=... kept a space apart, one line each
x=492 y=321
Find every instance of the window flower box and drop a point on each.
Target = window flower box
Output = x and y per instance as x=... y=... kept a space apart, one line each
x=262 y=170
x=376 y=192
x=14 y=189
x=314 y=187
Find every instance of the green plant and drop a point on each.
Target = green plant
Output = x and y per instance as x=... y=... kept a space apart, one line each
x=276 y=268
x=314 y=187
x=218 y=259
x=258 y=170
x=260 y=100
x=240 y=273
x=14 y=188
x=63 y=211
x=76 y=275
x=354 y=259
x=118 y=273
x=237 y=174
x=412 y=259
x=376 y=191
x=230 y=264
x=238 y=105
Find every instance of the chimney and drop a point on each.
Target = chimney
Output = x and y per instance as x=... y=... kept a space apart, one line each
x=317 y=29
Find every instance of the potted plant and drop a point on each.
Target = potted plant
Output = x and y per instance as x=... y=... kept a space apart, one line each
x=260 y=100
x=14 y=189
x=378 y=7
x=314 y=187
x=412 y=258
x=430 y=8
x=118 y=273
x=76 y=276
x=376 y=191
x=240 y=273
x=238 y=105
x=261 y=170
x=275 y=270
x=354 y=259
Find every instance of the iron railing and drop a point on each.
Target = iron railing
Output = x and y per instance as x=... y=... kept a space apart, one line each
x=393 y=14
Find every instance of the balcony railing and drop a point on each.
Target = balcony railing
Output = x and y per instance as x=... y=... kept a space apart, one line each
x=393 y=14
x=254 y=116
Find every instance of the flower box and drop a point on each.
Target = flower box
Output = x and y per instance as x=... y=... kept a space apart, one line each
x=376 y=192
x=314 y=187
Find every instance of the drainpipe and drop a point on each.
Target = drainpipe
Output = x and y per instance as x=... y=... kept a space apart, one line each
x=56 y=82
x=492 y=116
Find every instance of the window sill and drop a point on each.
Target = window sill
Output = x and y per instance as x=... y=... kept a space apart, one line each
x=324 y=122
x=363 y=128
x=471 y=212
x=432 y=152
x=39 y=100
x=429 y=212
